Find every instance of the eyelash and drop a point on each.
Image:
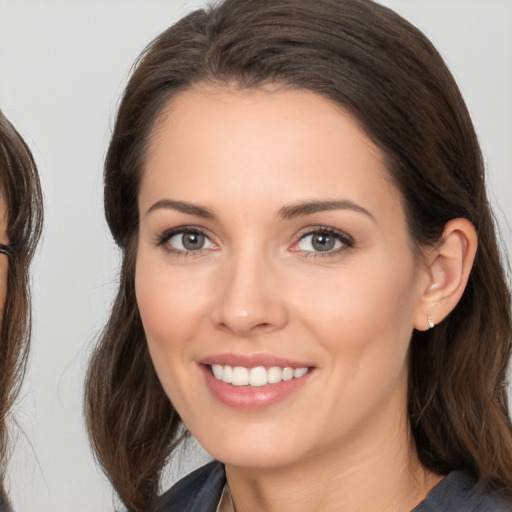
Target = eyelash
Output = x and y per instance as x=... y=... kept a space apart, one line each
x=162 y=240
x=346 y=240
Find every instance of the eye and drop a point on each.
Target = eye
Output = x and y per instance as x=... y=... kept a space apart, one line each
x=185 y=240
x=323 y=241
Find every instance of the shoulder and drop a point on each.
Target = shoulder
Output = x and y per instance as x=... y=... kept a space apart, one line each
x=199 y=491
x=459 y=492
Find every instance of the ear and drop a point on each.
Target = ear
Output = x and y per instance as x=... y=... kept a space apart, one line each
x=448 y=267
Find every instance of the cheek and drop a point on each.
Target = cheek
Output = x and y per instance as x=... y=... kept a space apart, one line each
x=376 y=294
x=170 y=302
x=384 y=301
x=365 y=314
x=168 y=314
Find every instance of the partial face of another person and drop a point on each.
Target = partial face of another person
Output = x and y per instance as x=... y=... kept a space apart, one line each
x=275 y=277
x=4 y=259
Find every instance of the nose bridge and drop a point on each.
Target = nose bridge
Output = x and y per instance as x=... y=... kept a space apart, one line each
x=249 y=298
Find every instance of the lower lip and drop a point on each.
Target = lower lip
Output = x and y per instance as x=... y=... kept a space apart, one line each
x=252 y=397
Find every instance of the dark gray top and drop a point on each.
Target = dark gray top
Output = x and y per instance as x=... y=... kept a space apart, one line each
x=457 y=492
x=199 y=491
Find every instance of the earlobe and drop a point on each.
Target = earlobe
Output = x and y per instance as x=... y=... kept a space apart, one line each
x=448 y=267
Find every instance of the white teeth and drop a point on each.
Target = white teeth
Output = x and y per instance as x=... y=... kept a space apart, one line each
x=240 y=376
x=275 y=375
x=217 y=371
x=257 y=376
x=299 y=372
x=227 y=374
x=287 y=373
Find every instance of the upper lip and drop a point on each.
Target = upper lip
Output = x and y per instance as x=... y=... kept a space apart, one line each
x=253 y=360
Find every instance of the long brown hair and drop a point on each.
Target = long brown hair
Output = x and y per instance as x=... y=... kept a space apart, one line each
x=385 y=72
x=21 y=191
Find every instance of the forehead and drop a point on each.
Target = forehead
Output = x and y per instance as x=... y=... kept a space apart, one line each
x=273 y=142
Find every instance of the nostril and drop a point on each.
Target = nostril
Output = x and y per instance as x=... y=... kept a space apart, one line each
x=261 y=325
x=244 y=330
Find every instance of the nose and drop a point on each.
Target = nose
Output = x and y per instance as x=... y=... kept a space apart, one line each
x=249 y=297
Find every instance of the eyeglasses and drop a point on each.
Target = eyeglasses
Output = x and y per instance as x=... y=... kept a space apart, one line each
x=6 y=249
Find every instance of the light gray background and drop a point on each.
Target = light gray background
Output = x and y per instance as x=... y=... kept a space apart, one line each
x=63 y=64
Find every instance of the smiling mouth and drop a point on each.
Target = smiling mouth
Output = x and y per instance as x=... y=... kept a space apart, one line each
x=256 y=376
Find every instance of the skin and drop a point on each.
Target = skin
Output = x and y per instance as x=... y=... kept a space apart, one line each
x=258 y=286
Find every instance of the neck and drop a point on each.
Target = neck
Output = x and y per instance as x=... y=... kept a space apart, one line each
x=374 y=472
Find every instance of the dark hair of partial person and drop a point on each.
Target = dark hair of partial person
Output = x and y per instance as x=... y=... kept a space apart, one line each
x=21 y=193
x=388 y=76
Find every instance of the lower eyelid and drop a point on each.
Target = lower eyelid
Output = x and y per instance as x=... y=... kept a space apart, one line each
x=186 y=254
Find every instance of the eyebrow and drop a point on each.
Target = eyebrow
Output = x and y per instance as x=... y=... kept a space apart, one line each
x=308 y=208
x=286 y=213
x=183 y=207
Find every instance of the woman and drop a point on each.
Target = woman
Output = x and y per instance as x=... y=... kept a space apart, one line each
x=298 y=194
x=20 y=228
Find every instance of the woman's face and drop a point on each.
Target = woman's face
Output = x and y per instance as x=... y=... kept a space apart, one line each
x=273 y=249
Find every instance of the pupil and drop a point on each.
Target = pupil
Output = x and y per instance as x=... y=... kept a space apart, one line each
x=192 y=241
x=322 y=242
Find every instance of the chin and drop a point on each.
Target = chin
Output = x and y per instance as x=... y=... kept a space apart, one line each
x=255 y=450
x=254 y=458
